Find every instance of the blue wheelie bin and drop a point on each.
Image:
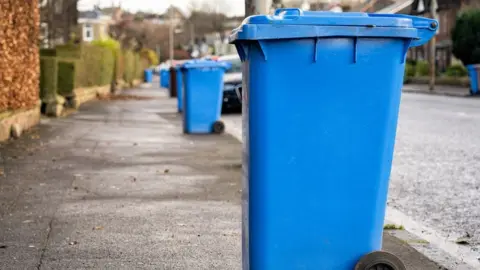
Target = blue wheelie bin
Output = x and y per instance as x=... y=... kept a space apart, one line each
x=320 y=106
x=148 y=75
x=164 y=78
x=473 y=74
x=203 y=85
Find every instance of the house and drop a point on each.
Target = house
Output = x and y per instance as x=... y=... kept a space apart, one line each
x=172 y=14
x=93 y=25
x=447 y=11
x=58 y=20
x=322 y=4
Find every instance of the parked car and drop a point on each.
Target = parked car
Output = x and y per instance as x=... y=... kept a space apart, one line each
x=232 y=89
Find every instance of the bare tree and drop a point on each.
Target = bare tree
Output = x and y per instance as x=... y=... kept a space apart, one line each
x=207 y=17
x=60 y=18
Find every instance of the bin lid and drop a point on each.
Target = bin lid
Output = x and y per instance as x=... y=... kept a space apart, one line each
x=205 y=64
x=296 y=23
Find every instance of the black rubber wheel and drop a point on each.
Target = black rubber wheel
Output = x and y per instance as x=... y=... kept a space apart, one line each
x=380 y=260
x=218 y=127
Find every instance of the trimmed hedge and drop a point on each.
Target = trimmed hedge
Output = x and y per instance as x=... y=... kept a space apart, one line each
x=48 y=52
x=94 y=67
x=422 y=68
x=456 y=71
x=119 y=66
x=77 y=66
x=48 y=77
x=465 y=37
x=66 y=76
x=409 y=70
x=129 y=66
x=68 y=51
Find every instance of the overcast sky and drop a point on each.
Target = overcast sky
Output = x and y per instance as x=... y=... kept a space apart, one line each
x=236 y=7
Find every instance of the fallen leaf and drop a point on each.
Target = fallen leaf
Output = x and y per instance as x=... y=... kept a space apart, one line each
x=462 y=241
x=73 y=243
x=98 y=228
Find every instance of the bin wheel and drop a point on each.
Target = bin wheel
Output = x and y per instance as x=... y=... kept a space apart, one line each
x=218 y=127
x=380 y=260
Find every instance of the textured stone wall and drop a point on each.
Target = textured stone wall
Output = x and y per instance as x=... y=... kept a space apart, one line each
x=19 y=54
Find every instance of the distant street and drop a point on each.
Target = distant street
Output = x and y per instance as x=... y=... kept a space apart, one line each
x=436 y=172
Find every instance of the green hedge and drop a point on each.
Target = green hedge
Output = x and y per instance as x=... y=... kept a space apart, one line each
x=129 y=66
x=48 y=52
x=69 y=51
x=422 y=68
x=66 y=76
x=48 y=77
x=119 y=66
x=456 y=71
x=76 y=66
x=409 y=70
x=87 y=66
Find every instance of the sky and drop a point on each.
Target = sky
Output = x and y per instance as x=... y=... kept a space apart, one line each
x=236 y=7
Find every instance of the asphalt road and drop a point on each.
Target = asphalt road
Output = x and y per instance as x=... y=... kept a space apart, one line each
x=435 y=178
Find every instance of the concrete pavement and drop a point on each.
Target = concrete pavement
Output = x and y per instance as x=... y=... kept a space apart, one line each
x=118 y=186
x=442 y=90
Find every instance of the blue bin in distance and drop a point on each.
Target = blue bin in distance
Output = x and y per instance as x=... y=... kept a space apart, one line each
x=320 y=106
x=202 y=96
x=148 y=75
x=164 y=78
x=473 y=74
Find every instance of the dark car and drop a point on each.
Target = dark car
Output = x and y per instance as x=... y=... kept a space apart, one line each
x=232 y=88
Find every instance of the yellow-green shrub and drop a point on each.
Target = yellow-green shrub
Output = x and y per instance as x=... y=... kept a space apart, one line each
x=150 y=55
x=129 y=65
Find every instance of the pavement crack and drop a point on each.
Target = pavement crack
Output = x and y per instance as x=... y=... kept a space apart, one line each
x=44 y=248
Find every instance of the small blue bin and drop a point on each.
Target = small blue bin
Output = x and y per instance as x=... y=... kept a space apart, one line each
x=164 y=78
x=203 y=85
x=473 y=74
x=148 y=75
x=320 y=106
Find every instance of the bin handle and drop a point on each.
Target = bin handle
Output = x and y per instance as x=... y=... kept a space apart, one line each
x=289 y=11
x=426 y=27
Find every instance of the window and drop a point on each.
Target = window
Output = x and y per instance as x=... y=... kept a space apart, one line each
x=88 y=32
